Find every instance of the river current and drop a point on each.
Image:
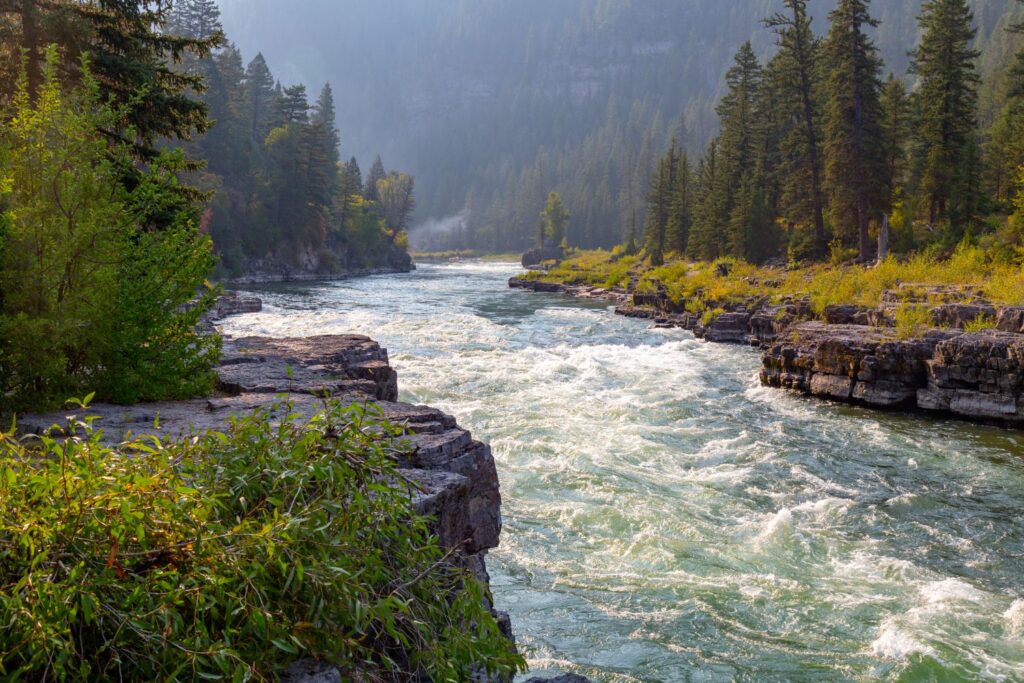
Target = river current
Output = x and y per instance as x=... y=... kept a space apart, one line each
x=668 y=519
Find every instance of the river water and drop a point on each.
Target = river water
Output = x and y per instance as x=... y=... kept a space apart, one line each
x=668 y=519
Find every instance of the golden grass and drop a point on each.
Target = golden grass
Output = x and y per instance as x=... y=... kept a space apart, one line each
x=701 y=286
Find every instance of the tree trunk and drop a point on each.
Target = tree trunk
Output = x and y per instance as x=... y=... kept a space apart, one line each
x=883 y=241
x=862 y=229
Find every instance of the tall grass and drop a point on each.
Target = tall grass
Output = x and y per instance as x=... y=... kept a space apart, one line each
x=970 y=269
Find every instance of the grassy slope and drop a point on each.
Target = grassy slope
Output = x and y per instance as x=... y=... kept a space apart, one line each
x=701 y=287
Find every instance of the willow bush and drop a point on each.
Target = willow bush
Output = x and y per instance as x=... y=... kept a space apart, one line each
x=228 y=556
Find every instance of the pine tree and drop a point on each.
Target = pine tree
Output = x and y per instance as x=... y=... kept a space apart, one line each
x=948 y=82
x=555 y=218
x=631 y=246
x=738 y=143
x=854 y=158
x=896 y=131
x=259 y=99
x=293 y=107
x=660 y=198
x=709 y=229
x=677 y=230
x=201 y=19
x=324 y=155
x=376 y=174
x=797 y=82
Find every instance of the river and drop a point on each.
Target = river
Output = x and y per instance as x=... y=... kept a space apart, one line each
x=668 y=519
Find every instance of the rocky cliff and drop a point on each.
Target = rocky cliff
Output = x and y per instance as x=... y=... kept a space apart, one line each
x=334 y=262
x=456 y=478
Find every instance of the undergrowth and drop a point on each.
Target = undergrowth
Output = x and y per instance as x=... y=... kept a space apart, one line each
x=701 y=286
x=228 y=556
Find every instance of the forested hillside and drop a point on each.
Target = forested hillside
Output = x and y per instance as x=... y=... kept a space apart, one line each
x=498 y=103
x=282 y=204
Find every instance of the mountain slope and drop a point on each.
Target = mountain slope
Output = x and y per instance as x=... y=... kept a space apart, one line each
x=493 y=104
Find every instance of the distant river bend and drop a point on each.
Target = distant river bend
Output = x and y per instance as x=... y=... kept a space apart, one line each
x=667 y=519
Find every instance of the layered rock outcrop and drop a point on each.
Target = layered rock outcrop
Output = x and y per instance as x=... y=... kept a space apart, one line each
x=453 y=476
x=335 y=261
x=976 y=376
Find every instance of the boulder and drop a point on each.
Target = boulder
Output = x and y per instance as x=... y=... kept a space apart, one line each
x=960 y=315
x=535 y=285
x=1011 y=319
x=232 y=303
x=537 y=256
x=729 y=328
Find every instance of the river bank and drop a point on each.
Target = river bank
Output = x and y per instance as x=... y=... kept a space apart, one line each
x=453 y=476
x=665 y=517
x=941 y=349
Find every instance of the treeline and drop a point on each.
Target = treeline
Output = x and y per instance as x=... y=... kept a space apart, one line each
x=129 y=137
x=282 y=198
x=819 y=151
x=521 y=97
x=102 y=267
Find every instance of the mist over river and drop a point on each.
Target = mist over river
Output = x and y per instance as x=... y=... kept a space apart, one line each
x=667 y=519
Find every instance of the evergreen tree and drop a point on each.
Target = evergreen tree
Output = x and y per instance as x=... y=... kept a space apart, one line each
x=738 y=144
x=376 y=175
x=260 y=99
x=677 y=230
x=323 y=152
x=660 y=202
x=709 y=229
x=948 y=81
x=854 y=153
x=200 y=19
x=798 y=84
x=555 y=218
x=896 y=131
x=631 y=246
x=293 y=107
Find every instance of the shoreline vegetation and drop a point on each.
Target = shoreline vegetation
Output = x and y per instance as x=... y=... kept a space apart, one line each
x=706 y=289
x=230 y=555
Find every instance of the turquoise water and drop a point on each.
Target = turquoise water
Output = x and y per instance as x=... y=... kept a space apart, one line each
x=667 y=519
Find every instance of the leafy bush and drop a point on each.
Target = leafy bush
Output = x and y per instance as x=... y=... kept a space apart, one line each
x=913 y=321
x=980 y=324
x=94 y=297
x=228 y=556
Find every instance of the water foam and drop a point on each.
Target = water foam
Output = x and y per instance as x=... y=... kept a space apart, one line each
x=1015 y=619
x=895 y=643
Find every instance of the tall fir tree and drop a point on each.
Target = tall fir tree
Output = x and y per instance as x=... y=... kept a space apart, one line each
x=376 y=174
x=854 y=150
x=707 y=236
x=660 y=200
x=897 y=123
x=944 y=62
x=260 y=99
x=796 y=78
x=680 y=220
x=739 y=144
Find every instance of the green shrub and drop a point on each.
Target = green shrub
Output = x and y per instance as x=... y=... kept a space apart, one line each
x=980 y=324
x=913 y=321
x=229 y=556
x=99 y=280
